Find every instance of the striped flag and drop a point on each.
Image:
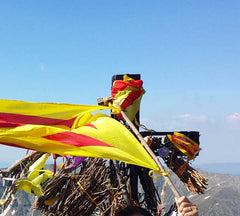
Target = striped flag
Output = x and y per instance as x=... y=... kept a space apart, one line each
x=184 y=144
x=67 y=129
x=128 y=94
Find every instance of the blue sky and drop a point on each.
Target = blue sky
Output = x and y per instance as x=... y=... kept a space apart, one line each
x=188 y=54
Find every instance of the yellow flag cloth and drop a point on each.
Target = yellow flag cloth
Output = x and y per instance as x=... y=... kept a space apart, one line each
x=69 y=130
x=37 y=167
x=128 y=94
x=37 y=175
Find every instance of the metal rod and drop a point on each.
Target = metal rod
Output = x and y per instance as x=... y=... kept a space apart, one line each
x=164 y=133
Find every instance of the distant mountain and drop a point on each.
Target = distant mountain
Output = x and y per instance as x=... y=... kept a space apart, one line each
x=226 y=168
x=222 y=197
x=21 y=207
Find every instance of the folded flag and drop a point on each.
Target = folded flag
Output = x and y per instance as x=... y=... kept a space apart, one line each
x=186 y=145
x=128 y=94
x=36 y=176
x=67 y=129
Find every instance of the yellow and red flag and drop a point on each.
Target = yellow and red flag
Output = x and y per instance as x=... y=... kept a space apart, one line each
x=128 y=94
x=184 y=144
x=67 y=129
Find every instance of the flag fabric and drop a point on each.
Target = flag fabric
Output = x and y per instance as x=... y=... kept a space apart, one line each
x=128 y=94
x=67 y=129
x=36 y=176
x=184 y=144
x=74 y=161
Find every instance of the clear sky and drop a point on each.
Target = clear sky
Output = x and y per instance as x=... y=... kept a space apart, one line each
x=188 y=54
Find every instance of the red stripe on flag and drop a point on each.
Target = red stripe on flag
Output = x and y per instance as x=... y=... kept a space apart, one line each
x=14 y=145
x=9 y=124
x=15 y=120
x=74 y=139
x=131 y=98
x=186 y=149
x=120 y=85
x=90 y=125
x=194 y=146
x=184 y=146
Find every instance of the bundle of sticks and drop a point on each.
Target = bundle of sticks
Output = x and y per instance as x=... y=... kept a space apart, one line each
x=94 y=188
x=179 y=164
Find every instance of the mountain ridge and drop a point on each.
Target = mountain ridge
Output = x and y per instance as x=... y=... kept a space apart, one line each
x=221 y=198
x=224 y=168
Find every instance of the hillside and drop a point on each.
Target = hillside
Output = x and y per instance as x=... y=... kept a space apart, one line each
x=222 y=197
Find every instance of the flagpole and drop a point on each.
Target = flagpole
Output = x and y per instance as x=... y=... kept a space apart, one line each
x=148 y=149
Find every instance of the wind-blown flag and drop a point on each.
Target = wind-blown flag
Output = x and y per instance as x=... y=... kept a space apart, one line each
x=184 y=144
x=128 y=94
x=67 y=129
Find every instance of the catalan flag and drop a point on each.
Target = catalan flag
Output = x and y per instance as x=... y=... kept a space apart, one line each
x=184 y=144
x=128 y=94
x=67 y=129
